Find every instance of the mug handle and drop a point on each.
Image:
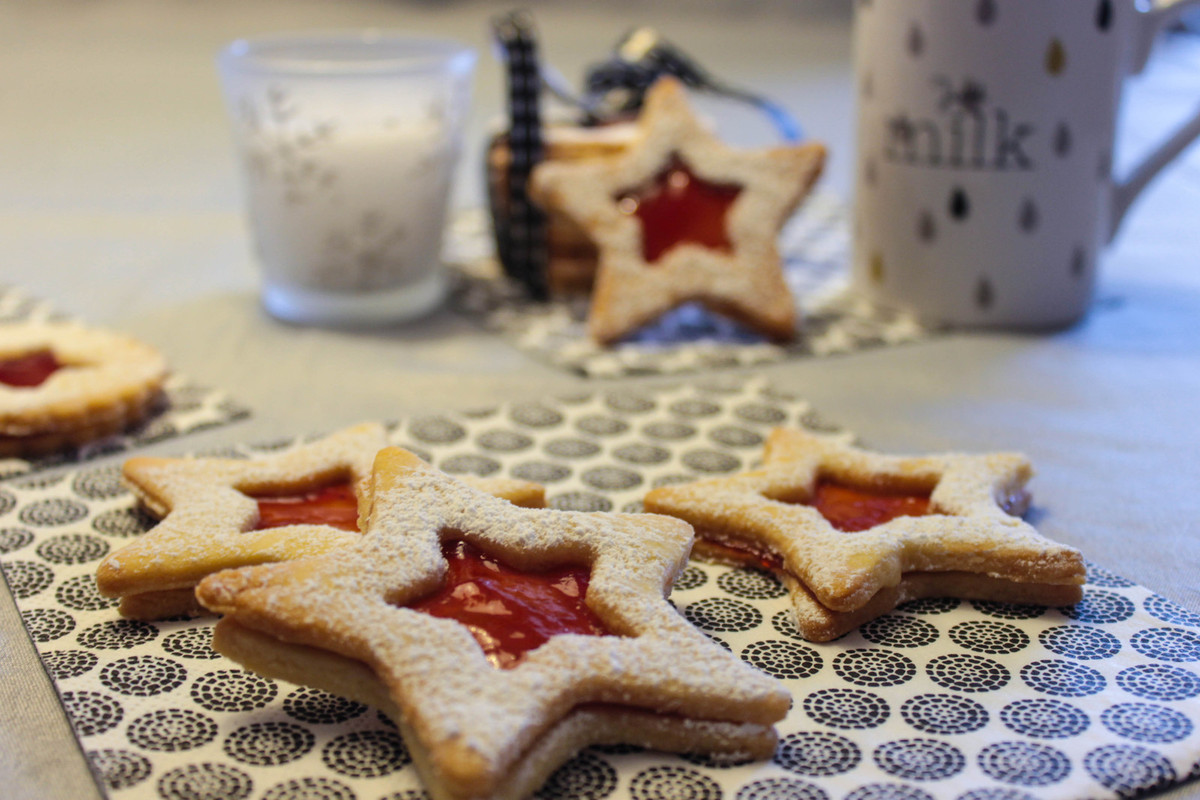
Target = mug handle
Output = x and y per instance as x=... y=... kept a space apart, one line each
x=1152 y=18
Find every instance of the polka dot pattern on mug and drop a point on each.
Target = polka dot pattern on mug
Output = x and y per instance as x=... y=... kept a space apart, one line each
x=940 y=699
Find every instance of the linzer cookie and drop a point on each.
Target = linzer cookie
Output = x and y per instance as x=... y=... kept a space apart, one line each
x=590 y=651
x=218 y=513
x=63 y=385
x=854 y=533
x=681 y=217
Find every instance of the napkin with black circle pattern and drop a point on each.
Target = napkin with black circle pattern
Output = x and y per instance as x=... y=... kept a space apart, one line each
x=814 y=245
x=189 y=408
x=940 y=700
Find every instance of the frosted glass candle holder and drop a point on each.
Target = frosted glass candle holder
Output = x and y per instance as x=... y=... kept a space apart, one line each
x=348 y=144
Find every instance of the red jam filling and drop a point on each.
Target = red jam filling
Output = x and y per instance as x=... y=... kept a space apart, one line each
x=510 y=612
x=851 y=509
x=333 y=505
x=29 y=370
x=679 y=208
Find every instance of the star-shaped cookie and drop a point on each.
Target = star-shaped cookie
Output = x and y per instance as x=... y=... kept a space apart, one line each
x=213 y=518
x=345 y=621
x=853 y=533
x=681 y=217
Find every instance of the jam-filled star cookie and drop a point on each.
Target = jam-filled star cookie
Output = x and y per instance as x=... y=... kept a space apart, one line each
x=218 y=513
x=681 y=217
x=500 y=639
x=854 y=533
x=63 y=385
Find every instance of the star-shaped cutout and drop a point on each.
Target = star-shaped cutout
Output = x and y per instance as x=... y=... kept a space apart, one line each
x=213 y=516
x=853 y=533
x=681 y=217
x=345 y=621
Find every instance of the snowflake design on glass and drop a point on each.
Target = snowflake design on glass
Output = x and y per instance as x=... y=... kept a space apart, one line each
x=281 y=148
x=365 y=256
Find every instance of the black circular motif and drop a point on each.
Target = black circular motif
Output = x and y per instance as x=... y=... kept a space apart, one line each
x=99 y=484
x=7 y=502
x=641 y=453
x=1080 y=642
x=735 y=436
x=123 y=522
x=1158 y=607
x=944 y=714
x=470 y=464
x=62 y=664
x=535 y=415
x=571 y=448
x=1008 y=610
x=81 y=594
x=13 y=539
x=722 y=615
x=760 y=413
x=1129 y=770
x=117 y=634
x=1024 y=763
x=781 y=789
x=268 y=744
x=710 y=461
x=1100 y=607
x=142 y=676
x=436 y=430
x=967 y=673
x=668 y=431
x=366 y=754
x=784 y=622
x=718 y=761
x=171 y=730
x=1161 y=682
x=580 y=501
x=633 y=507
x=191 y=643
x=541 y=472
x=629 y=403
x=407 y=794
x=205 y=781
x=47 y=624
x=848 y=709
x=673 y=480
x=1167 y=644
x=600 y=425
x=888 y=791
x=1044 y=719
x=52 y=511
x=611 y=479
x=27 y=578
x=1099 y=576
x=783 y=660
x=318 y=707
x=1144 y=722
x=996 y=794
x=586 y=777
x=504 y=441
x=233 y=690
x=930 y=605
x=120 y=769
x=92 y=712
x=899 y=630
x=919 y=759
x=692 y=407
x=673 y=783
x=1062 y=678
x=985 y=636
x=817 y=753
x=692 y=577
x=751 y=584
x=72 y=548
x=874 y=667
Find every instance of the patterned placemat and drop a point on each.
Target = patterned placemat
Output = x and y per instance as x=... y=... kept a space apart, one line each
x=940 y=699
x=189 y=407
x=814 y=244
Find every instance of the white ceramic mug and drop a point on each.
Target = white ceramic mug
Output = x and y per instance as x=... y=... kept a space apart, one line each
x=986 y=128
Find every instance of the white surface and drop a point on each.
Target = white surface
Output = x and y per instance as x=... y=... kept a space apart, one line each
x=119 y=201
